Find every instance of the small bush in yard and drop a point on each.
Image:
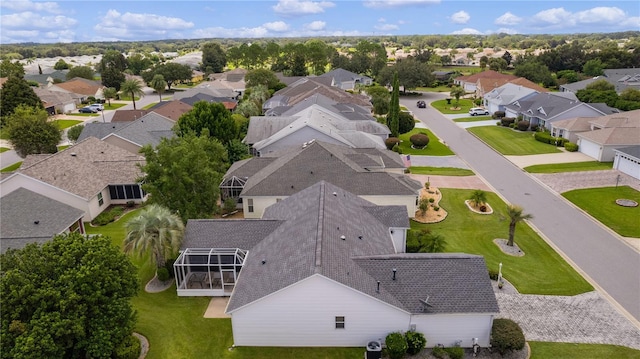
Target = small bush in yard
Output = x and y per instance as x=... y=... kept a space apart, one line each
x=570 y=146
x=396 y=345
x=439 y=352
x=419 y=140
x=391 y=142
x=107 y=217
x=415 y=342
x=455 y=352
x=493 y=274
x=163 y=274
x=506 y=336
x=130 y=348
x=507 y=121
x=523 y=125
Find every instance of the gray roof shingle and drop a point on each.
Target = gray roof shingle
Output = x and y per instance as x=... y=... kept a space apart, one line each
x=227 y=233
x=22 y=208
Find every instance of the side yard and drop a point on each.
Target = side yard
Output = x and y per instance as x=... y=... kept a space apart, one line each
x=507 y=141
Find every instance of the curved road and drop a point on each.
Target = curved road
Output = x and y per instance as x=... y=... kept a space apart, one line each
x=595 y=251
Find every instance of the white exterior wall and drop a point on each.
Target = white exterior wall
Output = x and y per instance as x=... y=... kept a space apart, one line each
x=626 y=164
x=19 y=180
x=408 y=201
x=303 y=314
x=94 y=208
x=259 y=205
x=447 y=329
x=399 y=238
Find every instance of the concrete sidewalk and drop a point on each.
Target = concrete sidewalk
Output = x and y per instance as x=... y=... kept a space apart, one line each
x=549 y=158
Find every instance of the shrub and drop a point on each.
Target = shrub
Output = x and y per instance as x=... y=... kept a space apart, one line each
x=498 y=123
x=107 y=217
x=419 y=140
x=439 y=352
x=391 y=142
x=506 y=336
x=130 y=348
x=397 y=149
x=168 y=264
x=423 y=205
x=436 y=208
x=431 y=200
x=229 y=205
x=396 y=345
x=493 y=274
x=543 y=137
x=163 y=274
x=570 y=146
x=130 y=204
x=507 y=121
x=499 y=114
x=483 y=208
x=523 y=125
x=455 y=352
x=415 y=342
x=406 y=122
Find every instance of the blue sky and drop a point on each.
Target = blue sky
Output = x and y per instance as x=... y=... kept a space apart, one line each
x=81 y=21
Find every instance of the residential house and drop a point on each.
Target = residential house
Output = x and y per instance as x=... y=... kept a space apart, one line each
x=171 y=109
x=443 y=76
x=601 y=144
x=347 y=80
x=49 y=78
x=627 y=160
x=232 y=80
x=197 y=76
x=207 y=89
x=321 y=268
x=470 y=82
x=487 y=86
x=314 y=121
x=621 y=79
x=90 y=175
x=149 y=129
x=56 y=101
x=229 y=104
x=373 y=174
x=128 y=115
x=569 y=128
x=81 y=89
x=543 y=109
x=29 y=217
x=498 y=98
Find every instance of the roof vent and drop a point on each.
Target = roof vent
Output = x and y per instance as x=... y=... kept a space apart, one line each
x=36 y=222
x=264 y=262
x=73 y=154
x=394 y=273
x=343 y=237
x=335 y=194
x=378 y=288
x=360 y=237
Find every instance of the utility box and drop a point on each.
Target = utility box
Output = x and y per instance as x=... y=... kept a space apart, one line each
x=374 y=350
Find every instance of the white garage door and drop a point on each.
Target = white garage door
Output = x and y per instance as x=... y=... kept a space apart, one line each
x=590 y=149
x=628 y=165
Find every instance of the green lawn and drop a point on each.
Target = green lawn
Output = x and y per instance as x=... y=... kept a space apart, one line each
x=545 y=350
x=600 y=203
x=472 y=119
x=464 y=104
x=4 y=149
x=113 y=106
x=434 y=148
x=60 y=148
x=175 y=325
x=11 y=168
x=510 y=142
x=150 y=105
x=4 y=135
x=62 y=124
x=84 y=114
x=540 y=271
x=441 y=171
x=570 y=167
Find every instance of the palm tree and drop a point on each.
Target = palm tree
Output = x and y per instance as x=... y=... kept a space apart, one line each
x=159 y=84
x=478 y=198
x=109 y=93
x=132 y=87
x=156 y=229
x=515 y=215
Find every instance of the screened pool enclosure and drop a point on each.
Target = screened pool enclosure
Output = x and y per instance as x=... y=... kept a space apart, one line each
x=210 y=272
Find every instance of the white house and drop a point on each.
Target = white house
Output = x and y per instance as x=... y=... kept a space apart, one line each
x=89 y=176
x=601 y=144
x=327 y=272
x=627 y=160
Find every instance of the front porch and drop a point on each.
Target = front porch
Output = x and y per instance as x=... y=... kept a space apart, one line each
x=210 y=272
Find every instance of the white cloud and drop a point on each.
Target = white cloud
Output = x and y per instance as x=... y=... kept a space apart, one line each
x=218 y=31
x=115 y=25
x=461 y=17
x=26 y=5
x=30 y=20
x=397 y=3
x=508 y=19
x=315 y=26
x=600 y=15
x=295 y=7
x=504 y=30
x=386 y=27
x=467 y=31
x=277 y=26
x=557 y=16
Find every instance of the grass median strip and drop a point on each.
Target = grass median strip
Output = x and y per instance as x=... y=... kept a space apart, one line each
x=545 y=350
x=540 y=271
x=511 y=142
x=569 y=167
x=441 y=171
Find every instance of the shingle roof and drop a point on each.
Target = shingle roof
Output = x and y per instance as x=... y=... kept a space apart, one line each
x=227 y=233
x=623 y=119
x=633 y=151
x=22 y=208
x=81 y=86
x=100 y=130
x=303 y=167
x=549 y=105
x=128 y=115
x=485 y=74
x=147 y=130
x=86 y=168
x=341 y=75
x=171 y=109
x=508 y=93
x=331 y=232
x=613 y=136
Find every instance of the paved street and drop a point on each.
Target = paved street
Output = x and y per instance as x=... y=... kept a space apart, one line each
x=603 y=257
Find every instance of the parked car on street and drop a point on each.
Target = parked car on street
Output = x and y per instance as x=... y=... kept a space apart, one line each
x=88 y=109
x=478 y=111
x=422 y=104
x=97 y=106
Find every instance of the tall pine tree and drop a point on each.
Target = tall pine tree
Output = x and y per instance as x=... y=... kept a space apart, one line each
x=393 y=117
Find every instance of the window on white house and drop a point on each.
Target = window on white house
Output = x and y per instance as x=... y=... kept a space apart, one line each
x=339 y=322
x=100 y=199
x=250 y=205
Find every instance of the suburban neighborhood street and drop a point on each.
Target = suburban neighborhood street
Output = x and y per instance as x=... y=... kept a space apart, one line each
x=610 y=264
